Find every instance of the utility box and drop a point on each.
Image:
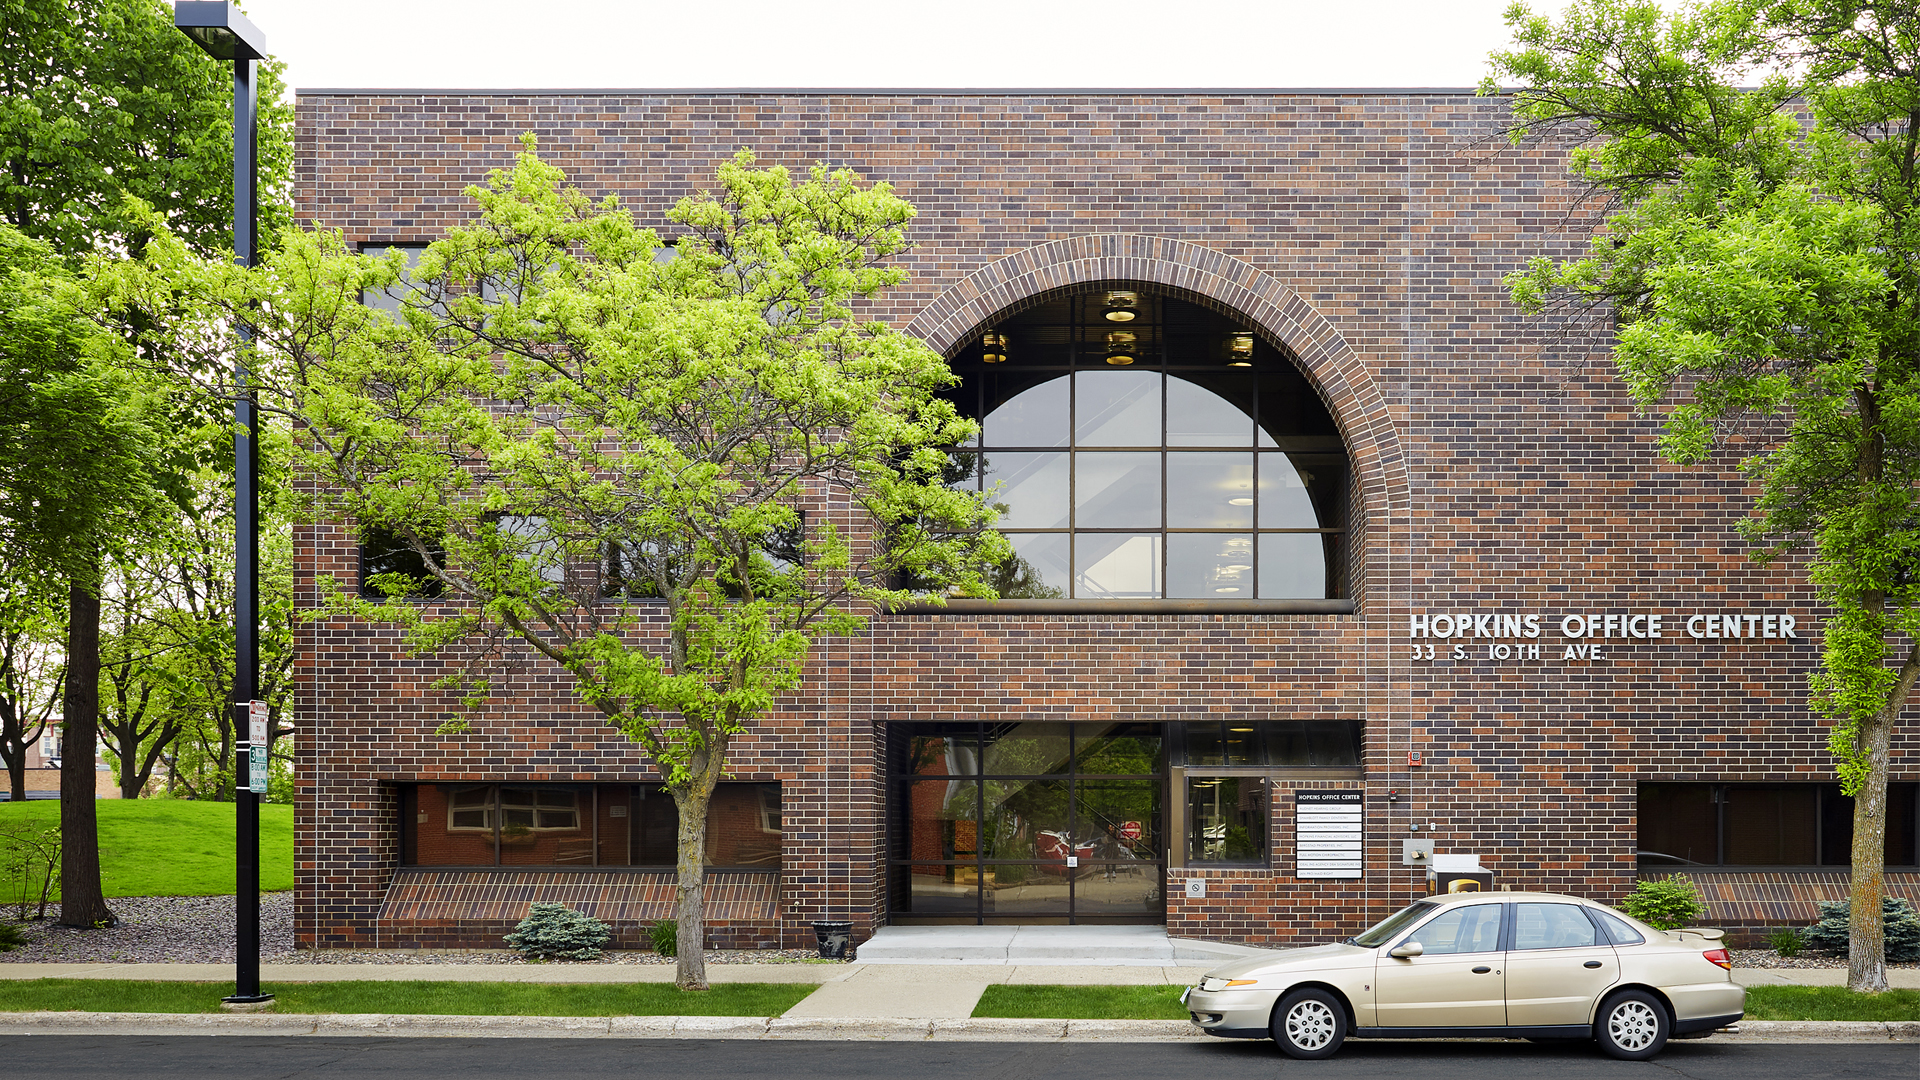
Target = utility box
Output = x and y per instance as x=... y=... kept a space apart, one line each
x=1458 y=874
x=1417 y=851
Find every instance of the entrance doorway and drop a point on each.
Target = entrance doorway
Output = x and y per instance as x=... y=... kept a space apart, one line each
x=1026 y=823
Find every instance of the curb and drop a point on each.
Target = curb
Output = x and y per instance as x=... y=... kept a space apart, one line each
x=832 y=1029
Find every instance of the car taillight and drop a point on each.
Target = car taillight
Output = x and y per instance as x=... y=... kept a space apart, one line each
x=1720 y=957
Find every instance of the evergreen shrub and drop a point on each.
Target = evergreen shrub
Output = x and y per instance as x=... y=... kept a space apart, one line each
x=1832 y=935
x=557 y=932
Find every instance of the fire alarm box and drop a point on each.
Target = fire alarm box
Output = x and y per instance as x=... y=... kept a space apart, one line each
x=1413 y=758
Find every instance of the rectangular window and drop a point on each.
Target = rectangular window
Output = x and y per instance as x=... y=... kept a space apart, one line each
x=582 y=825
x=1273 y=744
x=1227 y=820
x=389 y=299
x=1684 y=825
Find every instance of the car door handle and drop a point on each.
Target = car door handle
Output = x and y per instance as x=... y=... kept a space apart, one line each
x=1591 y=963
x=1482 y=970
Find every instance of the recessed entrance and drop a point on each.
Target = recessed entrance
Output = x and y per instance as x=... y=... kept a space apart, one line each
x=1027 y=823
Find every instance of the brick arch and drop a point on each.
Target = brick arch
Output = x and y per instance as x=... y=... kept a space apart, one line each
x=1221 y=282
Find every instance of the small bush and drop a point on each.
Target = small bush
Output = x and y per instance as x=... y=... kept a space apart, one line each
x=1833 y=935
x=557 y=932
x=1666 y=903
x=665 y=936
x=1785 y=941
x=12 y=936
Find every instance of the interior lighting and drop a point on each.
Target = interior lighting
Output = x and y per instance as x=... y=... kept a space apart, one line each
x=993 y=348
x=1242 y=500
x=1240 y=350
x=1121 y=306
x=1120 y=347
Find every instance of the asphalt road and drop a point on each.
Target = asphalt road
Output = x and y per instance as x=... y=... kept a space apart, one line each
x=48 y=1057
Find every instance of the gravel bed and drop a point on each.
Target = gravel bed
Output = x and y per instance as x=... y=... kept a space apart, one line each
x=199 y=930
x=1767 y=958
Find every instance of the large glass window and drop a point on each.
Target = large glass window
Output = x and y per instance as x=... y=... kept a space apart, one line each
x=1170 y=455
x=634 y=825
x=1764 y=825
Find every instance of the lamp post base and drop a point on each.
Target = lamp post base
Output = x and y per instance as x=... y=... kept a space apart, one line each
x=245 y=1003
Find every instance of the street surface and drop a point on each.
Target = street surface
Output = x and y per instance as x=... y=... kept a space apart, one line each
x=48 y=1057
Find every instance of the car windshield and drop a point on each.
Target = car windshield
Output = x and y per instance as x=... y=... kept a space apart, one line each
x=1385 y=929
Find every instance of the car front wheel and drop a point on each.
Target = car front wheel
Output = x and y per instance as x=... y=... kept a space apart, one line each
x=1309 y=1024
x=1632 y=1026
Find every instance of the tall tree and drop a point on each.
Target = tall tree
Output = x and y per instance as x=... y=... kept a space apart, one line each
x=665 y=475
x=1761 y=254
x=101 y=100
x=76 y=479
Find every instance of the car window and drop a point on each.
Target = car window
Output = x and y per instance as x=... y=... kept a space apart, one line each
x=1464 y=929
x=1617 y=928
x=1551 y=926
x=1383 y=931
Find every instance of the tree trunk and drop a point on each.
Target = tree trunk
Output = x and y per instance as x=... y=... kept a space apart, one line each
x=82 y=901
x=17 y=773
x=689 y=897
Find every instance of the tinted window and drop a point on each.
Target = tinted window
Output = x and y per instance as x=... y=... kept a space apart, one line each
x=1551 y=926
x=1470 y=928
x=389 y=566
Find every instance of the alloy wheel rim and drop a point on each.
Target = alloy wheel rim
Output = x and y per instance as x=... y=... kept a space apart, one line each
x=1310 y=1025
x=1632 y=1025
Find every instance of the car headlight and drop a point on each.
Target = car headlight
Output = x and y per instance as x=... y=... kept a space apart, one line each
x=1212 y=983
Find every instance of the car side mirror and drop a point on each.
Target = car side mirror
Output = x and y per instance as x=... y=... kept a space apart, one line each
x=1408 y=950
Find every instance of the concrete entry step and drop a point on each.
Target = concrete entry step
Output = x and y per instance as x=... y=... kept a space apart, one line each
x=1144 y=945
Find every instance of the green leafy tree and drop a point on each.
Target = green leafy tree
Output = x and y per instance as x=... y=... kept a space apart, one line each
x=667 y=472
x=1762 y=257
x=102 y=100
x=31 y=670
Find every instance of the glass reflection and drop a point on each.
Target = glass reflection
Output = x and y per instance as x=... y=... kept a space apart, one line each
x=943 y=819
x=944 y=754
x=1119 y=820
x=941 y=890
x=1209 y=491
x=1116 y=491
x=1026 y=819
x=1032 y=489
x=1117 y=566
x=1293 y=566
x=1027 y=749
x=1285 y=499
x=1118 y=749
x=1210 y=566
x=1026 y=890
x=1117 y=408
x=1227 y=819
x=1199 y=416
x=1034 y=417
x=1041 y=567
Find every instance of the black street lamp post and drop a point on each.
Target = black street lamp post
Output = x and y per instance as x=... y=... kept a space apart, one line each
x=220 y=29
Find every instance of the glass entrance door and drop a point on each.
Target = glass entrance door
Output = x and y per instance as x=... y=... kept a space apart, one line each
x=1027 y=822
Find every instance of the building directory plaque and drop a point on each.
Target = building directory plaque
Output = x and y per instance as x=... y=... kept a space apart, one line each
x=1328 y=834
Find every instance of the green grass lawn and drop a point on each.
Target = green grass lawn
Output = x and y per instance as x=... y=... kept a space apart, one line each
x=1830 y=1003
x=424 y=998
x=172 y=847
x=1082 y=1002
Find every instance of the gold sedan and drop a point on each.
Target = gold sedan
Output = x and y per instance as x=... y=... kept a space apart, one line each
x=1513 y=965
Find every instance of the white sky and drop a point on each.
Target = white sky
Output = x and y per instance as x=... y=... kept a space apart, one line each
x=643 y=44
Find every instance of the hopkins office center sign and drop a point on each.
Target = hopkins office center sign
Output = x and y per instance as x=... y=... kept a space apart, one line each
x=1517 y=637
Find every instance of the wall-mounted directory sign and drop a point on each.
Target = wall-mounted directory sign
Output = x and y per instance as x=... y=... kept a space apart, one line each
x=1329 y=834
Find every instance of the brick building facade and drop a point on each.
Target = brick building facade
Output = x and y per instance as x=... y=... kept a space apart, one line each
x=1498 y=486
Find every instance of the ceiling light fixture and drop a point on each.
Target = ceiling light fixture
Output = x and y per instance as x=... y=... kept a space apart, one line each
x=1243 y=500
x=1120 y=347
x=1240 y=350
x=1121 y=305
x=993 y=348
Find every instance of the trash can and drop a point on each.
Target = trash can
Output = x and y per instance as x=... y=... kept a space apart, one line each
x=833 y=938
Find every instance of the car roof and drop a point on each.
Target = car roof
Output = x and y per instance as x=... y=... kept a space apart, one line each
x=1508 y=897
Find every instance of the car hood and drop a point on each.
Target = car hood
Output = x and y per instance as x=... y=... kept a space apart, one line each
x=1314 y=956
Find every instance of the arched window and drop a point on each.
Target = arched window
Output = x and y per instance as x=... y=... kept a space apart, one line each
x=1144 y=447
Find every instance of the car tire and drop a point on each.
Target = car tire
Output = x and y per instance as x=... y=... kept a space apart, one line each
x=1309 y=1024
x=1632 y=1026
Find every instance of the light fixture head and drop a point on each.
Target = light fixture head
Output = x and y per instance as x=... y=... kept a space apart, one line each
x=993 y=348
x=1121 y=306
x=1240 y=500
x=1240 y=350
x=1120 y=347
x=220 y=29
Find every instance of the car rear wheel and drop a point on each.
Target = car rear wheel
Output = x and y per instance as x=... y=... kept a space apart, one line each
x=1309 y=1024
x=1632 y=1026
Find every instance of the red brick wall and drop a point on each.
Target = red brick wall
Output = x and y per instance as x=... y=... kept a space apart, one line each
x=1496 y=465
